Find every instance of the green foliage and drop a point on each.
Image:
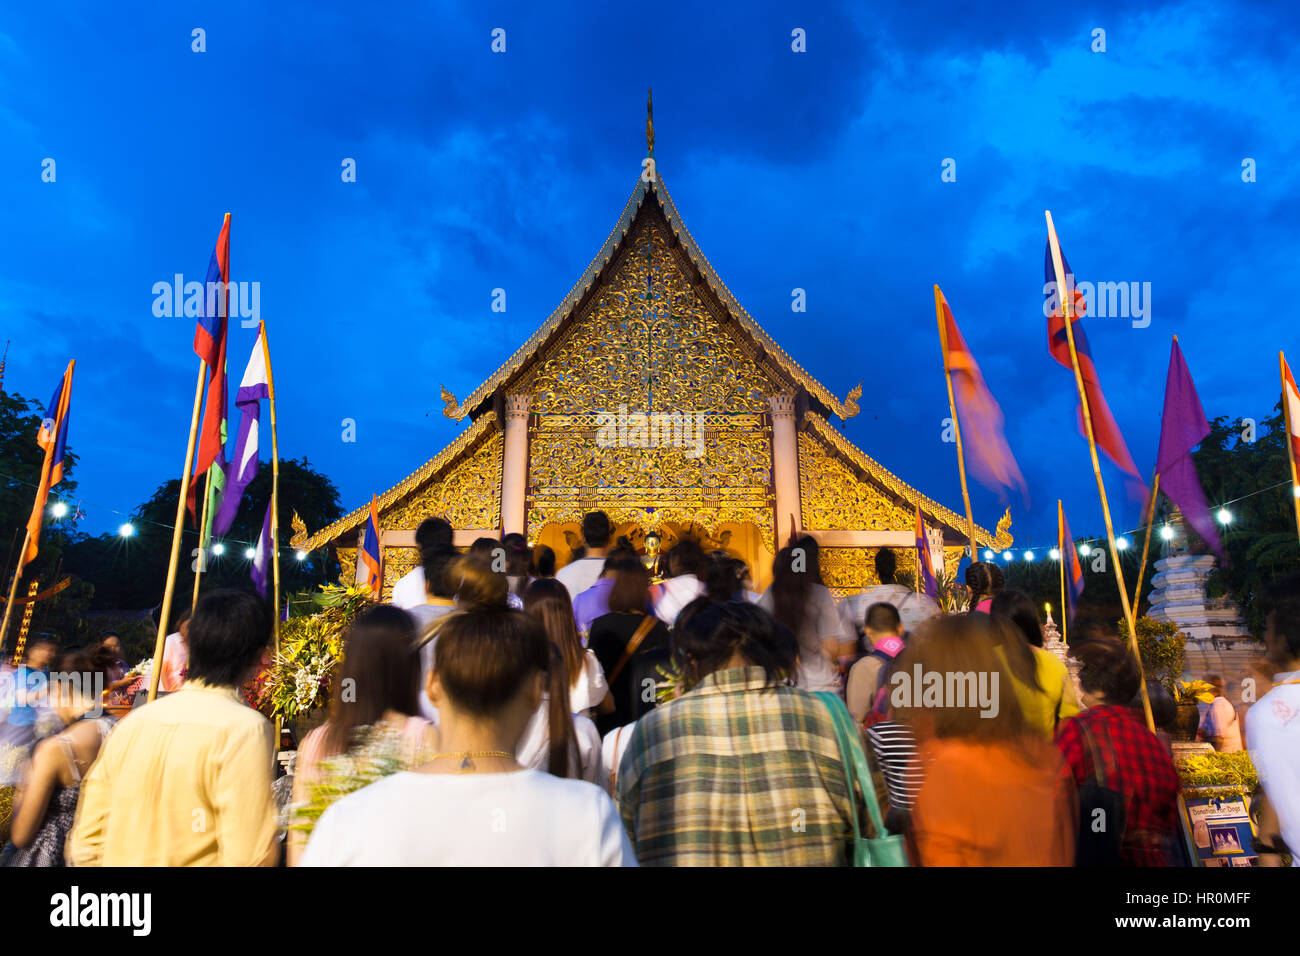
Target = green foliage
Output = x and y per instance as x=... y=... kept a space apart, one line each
x=1163 y=650
x=311 y=647
x=130 y=573
x=1225 y=774
x=1260 y=543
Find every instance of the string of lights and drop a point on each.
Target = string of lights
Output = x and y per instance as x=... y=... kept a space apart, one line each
x=1122 y=542
x=127 y=529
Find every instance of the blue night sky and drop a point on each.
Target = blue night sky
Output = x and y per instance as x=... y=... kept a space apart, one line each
x=819 y=170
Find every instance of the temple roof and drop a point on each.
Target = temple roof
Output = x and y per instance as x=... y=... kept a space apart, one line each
x=565 y=313
x=426 y=472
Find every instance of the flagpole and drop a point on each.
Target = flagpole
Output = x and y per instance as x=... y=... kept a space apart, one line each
x=202 y=561
x=956 y=425
x=164 y=613
x=1290 y=450
x=13 y=591
x=1146 y=542
x=1062 y=545
x=275 y=512
x=275 y=491
x=1064 y=294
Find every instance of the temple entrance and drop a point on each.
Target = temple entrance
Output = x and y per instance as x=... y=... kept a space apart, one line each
x=739 y=539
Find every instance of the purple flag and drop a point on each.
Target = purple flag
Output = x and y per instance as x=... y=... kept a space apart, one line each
x=261 y=573
x=243 y=467
x=1182 y=428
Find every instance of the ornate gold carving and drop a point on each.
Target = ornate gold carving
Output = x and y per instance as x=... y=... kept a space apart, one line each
x=851 y=402
x=347 y=564
x=570 y=473
x=299 y=532
x=753 y=332
x=845 y=570
x=650 y=121
x=911 y=498
x=1004 y=531
x=450 y=406
x=397 y=562
x=468 y=496
x=835 y=498
x=649 y=342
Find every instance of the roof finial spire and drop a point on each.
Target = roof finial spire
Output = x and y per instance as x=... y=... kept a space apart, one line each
x=650 y=121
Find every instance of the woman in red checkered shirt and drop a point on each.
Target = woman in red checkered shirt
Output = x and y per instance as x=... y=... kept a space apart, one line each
x=1133 y=761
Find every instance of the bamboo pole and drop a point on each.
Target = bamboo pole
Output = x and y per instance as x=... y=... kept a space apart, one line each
x=275 y=514
x=202 y=561
x=1290 y=451
x=1146 y=541
x=956 y=425
x=1061 y=545
x=13 y=592
x=164 y=613
x=1064 y=293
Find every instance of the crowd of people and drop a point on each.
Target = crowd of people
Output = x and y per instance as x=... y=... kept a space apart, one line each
x=502 y=712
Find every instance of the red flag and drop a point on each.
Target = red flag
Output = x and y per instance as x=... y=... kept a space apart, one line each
x=1066 y=295
x=210 y=345
x=987 y=452
x=53 y=437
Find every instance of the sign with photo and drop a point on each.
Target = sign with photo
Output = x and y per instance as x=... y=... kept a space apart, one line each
x=1217 y=830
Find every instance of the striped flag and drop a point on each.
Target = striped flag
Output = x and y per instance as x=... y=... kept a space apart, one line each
x=254 y=387
x=1071 y=569
x=983 y=440
x=1291 y=400
x=53 y=438
x=925 y=561
x=210 y=345
x=1064 y=293
x=261 y=570
x=371 y=554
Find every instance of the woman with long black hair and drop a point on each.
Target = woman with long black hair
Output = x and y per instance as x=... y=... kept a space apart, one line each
x=799 y=600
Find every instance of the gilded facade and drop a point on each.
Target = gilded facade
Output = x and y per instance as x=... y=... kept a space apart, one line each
x=651 y=394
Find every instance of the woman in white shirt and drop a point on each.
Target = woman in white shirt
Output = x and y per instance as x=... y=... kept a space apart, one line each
x=473 y=804
x=799 y=600
x=548 y=601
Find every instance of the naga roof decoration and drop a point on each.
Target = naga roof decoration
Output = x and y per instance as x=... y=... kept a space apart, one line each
x=566 y=310
x=983 y=538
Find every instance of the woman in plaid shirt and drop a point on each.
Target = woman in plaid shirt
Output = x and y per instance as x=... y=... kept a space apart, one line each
x=742 y=769
x=1134 y=761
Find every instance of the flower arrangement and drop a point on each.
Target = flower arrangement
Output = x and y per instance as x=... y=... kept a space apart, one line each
x=1193 y=692
x=1223 y=774
x=311 y=646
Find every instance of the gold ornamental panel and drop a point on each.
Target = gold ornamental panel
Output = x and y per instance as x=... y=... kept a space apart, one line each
x=468 y=496
x=347 y=564
x=649 y=341
x=397 y=562
x=835 y=498
x=579 y=463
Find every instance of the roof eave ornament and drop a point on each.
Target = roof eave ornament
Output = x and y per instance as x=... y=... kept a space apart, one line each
x=451 y=407
x=649 y=122
x=851 y=407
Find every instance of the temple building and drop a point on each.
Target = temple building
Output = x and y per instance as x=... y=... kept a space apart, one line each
x=651 y=394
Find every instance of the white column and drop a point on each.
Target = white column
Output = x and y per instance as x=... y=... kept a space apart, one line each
x=514 y=464
x=785 y=465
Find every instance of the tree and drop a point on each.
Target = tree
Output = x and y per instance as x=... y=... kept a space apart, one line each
x=20 y=475
x=1260 y=542
x=130 y=573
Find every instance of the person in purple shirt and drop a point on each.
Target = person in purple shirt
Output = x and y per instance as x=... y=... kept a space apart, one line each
x=594 y=602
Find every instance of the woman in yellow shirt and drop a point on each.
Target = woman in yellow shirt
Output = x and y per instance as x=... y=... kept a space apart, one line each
x=1040 y=679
